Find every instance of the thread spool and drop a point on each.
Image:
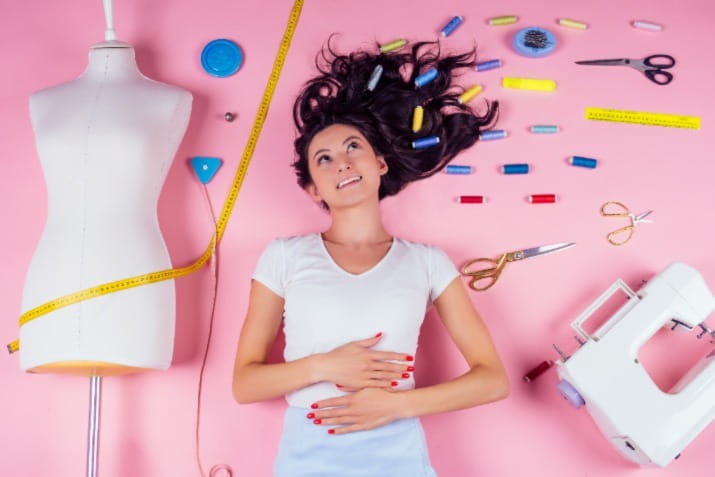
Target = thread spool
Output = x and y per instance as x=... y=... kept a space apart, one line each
x=515 y=169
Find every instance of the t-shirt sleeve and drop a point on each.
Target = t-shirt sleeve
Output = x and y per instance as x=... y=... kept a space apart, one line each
x=442 y=272
x=270 y=269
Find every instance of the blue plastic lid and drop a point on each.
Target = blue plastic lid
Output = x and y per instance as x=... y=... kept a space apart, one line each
x=221 y=58
x=534 y=42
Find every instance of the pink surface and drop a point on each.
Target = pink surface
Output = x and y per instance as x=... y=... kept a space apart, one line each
x=147 y=420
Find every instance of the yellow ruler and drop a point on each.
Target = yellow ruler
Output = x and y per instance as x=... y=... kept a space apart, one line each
x=640 y=117
x=171 y=273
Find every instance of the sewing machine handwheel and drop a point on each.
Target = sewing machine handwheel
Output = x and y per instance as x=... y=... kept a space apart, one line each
x=570 y=394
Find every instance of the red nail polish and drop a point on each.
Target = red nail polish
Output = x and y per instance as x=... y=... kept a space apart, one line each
x=338 y=386
x=378 y=335
x=393 y=383
x=331 y=431
x=310 y=415
x=405 y=375
x=410 y=368
x=314 y=406
x=410 y=358
x=317 y=421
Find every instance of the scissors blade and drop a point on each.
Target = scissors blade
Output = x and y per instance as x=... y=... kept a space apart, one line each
x=616 y=61
x=544 y=249
x=642 y=217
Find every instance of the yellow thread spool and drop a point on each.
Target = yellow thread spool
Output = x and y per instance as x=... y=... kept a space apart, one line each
x=417 y=116
x=469 y=94
x=392 y=46
x=572 y=24
x=504 y=20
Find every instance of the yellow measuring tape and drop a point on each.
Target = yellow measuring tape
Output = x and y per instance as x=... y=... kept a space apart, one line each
x=639 y=117
x=168 y=274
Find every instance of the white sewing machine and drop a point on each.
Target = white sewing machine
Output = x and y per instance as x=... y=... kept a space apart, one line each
x=643 y=423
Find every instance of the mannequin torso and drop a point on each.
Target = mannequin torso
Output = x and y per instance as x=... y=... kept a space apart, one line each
x=106 y=141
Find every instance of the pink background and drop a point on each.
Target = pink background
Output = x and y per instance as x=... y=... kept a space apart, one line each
x=148 y=420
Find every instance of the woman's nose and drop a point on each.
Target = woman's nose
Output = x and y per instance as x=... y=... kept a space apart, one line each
x=343 y=163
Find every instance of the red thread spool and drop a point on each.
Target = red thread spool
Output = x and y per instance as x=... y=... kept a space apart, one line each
x=472 y=199
x=538 y=371
x=543 y=198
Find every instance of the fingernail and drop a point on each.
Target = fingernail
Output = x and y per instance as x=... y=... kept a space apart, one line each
x=331 y=431
x=310 y=415
x=314 y=406
x=378 y=335
x=410 y=368
x=393 y=383
x=317 y=421
x=405 y=375
x=338 y=386
x=410 y=358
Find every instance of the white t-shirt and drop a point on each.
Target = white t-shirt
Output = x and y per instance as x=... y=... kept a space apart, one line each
x=326 y=306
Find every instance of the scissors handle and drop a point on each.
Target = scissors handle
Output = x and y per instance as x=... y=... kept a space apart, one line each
x=654 y=65
x=620 y=209
x=620 y=236
x=659 y=61
x=658 y=76
x=486 y=275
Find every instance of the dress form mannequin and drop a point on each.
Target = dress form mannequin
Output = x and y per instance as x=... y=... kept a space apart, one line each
x=105 y=142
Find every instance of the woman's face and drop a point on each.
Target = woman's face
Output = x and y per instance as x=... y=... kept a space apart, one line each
x=344 y=168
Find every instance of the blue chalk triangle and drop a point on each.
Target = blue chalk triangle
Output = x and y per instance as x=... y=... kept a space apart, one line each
x=205 y=167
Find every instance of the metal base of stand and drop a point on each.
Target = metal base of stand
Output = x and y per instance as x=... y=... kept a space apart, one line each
x=95 y=396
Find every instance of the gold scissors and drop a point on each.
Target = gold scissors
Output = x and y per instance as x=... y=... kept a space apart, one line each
x=624 y=234
x=494 y=266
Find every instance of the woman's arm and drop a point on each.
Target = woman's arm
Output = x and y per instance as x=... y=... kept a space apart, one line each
x=253 y=380
x=486 y=380
x=353 y=365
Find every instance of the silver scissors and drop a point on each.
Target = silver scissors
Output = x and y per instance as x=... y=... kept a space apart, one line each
x=490 y=268
x=652 y=66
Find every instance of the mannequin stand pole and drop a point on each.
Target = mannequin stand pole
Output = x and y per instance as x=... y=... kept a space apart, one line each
x=95 y=396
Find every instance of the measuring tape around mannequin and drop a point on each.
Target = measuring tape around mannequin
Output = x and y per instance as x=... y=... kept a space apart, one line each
x=171 y=273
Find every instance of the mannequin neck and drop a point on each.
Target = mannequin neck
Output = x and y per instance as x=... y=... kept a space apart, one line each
x=112 y=63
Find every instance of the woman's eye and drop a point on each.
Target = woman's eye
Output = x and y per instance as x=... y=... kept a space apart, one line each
x=352 y=145
x=322 y=159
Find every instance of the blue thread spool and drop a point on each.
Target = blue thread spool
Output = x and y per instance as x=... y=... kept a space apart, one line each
x=455 y=169
x=515 y=168
x=583 y=162
x=488 y=65
x=492 y=134
x=544 y=129
x=374 y=78
x=451 y=26
x=425 y=142
x=426 y=77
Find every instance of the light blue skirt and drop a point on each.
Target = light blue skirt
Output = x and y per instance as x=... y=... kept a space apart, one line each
x=397 y=449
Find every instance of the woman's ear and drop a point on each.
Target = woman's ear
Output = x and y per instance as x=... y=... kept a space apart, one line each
x=382 y=165
x=313 y=192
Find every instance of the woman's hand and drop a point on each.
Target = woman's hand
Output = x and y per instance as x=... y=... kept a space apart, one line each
x=354 y=366
x=366 y=409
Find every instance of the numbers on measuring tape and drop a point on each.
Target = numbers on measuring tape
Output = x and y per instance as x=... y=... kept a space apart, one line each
x=644 y=118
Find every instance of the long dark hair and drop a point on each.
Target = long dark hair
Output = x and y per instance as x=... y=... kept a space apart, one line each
x=339 y=95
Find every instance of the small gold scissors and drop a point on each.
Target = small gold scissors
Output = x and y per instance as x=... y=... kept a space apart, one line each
x=624 y=234
x=494 y=266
